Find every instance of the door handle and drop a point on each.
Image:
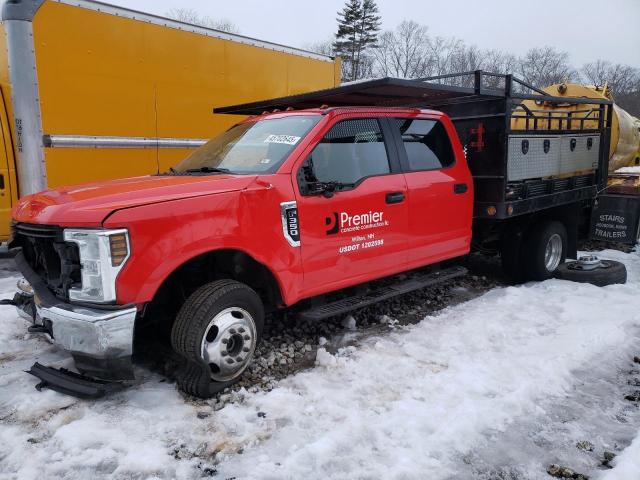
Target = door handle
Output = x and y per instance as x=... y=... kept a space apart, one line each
x=460 y=188
x=394 y=197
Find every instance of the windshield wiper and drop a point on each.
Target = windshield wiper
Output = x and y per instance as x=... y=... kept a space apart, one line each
x=208 y=170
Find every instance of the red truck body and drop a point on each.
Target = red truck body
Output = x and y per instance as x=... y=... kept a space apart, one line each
x=172 y=219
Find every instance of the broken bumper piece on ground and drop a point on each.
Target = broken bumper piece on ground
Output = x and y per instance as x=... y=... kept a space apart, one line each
x=70 y=383
x=99 y=339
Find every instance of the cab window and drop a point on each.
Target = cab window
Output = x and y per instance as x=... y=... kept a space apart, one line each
x=351 y=151
x=426 y=143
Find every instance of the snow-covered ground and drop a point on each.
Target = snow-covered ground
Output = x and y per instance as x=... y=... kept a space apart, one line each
x=635 y=169
x=495 y=388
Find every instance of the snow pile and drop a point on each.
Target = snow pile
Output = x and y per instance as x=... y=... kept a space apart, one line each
x=627 y=465
x=635 y=169
x=411 y=404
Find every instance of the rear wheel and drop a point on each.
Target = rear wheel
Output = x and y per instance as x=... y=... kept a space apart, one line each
x=217 y=331
x=544 y=250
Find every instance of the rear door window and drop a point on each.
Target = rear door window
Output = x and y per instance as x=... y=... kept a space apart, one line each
x=426 y=144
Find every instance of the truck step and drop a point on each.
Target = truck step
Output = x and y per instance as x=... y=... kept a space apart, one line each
x=348 y=304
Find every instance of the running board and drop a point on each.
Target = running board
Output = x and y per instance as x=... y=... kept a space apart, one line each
x=70 y=383
x=348 y=304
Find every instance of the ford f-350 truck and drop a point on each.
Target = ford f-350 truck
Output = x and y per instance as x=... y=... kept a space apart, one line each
x=289 y=206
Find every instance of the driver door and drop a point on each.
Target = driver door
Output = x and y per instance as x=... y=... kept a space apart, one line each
x=358 y=231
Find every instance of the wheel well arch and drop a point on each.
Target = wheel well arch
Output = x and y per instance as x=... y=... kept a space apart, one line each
x=204 y=268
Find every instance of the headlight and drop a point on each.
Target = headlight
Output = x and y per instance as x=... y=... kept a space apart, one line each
x=103 y=253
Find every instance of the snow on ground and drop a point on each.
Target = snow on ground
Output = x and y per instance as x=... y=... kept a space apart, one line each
x=635 y=169
x=627 y=466
x=482 y=384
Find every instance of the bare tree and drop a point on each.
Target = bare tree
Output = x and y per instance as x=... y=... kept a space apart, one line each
x=620 y=78
x=404 y=52
x=324 y=47
x=383 y=53
x=623 y=80
x=545 y=66
x=189 y=15
x=496 y=61
x=409 y=52
x=442 y=55
x=466 y=59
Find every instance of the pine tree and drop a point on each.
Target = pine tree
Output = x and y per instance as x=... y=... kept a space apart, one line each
x=358 y=27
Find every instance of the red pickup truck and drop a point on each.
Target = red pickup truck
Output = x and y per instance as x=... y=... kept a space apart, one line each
x=279 y=208
x=286 y=207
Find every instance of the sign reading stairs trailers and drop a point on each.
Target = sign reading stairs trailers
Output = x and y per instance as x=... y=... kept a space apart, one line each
x=615 y=218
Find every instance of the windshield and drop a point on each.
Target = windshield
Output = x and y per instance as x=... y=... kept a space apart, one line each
x=252 y=147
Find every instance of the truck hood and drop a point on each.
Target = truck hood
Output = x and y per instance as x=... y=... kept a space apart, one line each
x=89 y=204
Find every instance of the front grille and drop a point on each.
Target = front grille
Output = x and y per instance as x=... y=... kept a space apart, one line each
x=55 y=261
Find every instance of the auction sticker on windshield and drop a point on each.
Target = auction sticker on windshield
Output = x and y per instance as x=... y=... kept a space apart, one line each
x=286 y=139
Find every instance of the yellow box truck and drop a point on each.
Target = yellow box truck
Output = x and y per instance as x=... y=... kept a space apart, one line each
x=90 y=91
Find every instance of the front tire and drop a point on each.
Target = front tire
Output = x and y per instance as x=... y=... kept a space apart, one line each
x=217 y=331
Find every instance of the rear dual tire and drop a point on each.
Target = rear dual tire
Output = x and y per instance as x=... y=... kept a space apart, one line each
x=533 y=253
x=545 y=250
x=216 y=331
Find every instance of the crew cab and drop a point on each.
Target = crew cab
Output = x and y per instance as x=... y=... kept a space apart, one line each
x=280 y=208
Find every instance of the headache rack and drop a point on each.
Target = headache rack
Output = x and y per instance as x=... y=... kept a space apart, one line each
x=527 y=150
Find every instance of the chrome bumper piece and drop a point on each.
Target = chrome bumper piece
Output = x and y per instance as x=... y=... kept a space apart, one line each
x=92 y=332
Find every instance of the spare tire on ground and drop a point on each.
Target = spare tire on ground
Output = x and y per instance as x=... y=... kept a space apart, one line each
x=594 y=271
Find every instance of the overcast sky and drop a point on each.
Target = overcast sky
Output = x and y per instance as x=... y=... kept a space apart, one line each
x=587 y=29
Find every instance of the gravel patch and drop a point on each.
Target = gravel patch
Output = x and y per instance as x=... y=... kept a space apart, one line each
x=290 y=345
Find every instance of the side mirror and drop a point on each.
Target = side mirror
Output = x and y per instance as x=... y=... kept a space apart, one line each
x=310 y=185
x=307 y=179
x=321 y=188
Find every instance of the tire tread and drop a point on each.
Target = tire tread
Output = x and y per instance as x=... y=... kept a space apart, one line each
x=192 y=318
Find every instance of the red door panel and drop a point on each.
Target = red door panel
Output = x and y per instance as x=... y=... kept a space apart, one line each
x=353 y=236
x=439 y=218
x=357 y=231
x=440 y=189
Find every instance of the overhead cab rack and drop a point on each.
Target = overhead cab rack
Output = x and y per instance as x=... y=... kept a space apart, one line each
x=431 y=92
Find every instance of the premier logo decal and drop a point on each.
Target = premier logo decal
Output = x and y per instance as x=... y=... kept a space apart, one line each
x=344 y=223
x=333 y=222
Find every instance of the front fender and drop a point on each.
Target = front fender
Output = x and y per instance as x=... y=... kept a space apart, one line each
x=165 y=236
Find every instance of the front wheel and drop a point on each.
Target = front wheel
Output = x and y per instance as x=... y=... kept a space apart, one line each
x=217 y=331
x=545 y=250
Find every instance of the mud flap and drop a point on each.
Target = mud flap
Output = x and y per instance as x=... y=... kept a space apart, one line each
x=70 y=383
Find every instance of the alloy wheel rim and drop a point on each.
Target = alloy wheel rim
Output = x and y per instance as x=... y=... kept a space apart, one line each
x=553 y=252
x=228 y=343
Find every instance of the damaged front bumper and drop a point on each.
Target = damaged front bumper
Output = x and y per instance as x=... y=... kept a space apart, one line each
x=100 y=340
